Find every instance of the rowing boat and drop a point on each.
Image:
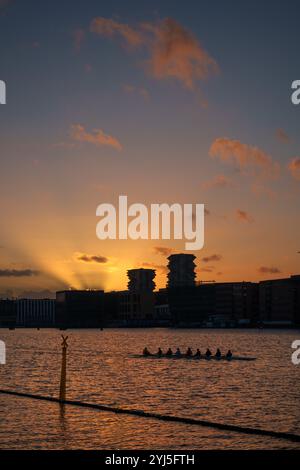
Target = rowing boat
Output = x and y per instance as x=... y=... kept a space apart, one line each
x=196 y=358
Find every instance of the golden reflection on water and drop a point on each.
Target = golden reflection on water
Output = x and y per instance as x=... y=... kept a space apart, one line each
x=101 y=370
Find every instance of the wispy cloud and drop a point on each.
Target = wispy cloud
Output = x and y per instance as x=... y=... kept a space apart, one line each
x=215 y=257
x=219 y=181
x=96 y=137
x=163 y=250
x=78 y=38
x=18 y=272
x=268 y=270
x=282 y=136
x=158 y=267
x=110 y=28
x=206 y=212
x=87 y=258
x=141 y=91
x=248 y=159
x=207 y=269
x=172 y=50
x=260 y=189
x=176 y=52
x=244 y=216
x=294 y=168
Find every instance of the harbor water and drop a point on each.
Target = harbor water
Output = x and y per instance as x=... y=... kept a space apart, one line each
x=101 y=368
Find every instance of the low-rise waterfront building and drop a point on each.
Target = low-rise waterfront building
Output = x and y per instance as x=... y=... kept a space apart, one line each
x=33 y=313
x=279 y=301
x=80 y=309
x=8 y=313
x=215 y=304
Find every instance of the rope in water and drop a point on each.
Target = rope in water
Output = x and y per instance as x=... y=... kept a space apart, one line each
x=144 y=414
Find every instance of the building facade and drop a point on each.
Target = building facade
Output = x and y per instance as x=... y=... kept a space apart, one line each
x=80 y=309
x=35 y=313
x=191 y=306
x=181 y=271
x=279 y=301
x=212 y=304
x=137 y=308
x=237 y=303
x=141 y=280
x=8 y=313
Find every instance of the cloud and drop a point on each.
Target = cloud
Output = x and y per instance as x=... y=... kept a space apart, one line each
x=97 y=137
x=85 y=258
x=206 y=212
x=294 y=168
x=207 y=269
x=78 y=38
x=18 y=272
x=175 y=52
x=215 y=257
x=260 y=189
x=268 y=270
x=110 y=28
x=64 y=145
x=282 y=136
x=219 y=181
x=143 y=92
x=163 y=250
x=172 y=51
x=244 y=216
x=158 y=267
x=246 y=158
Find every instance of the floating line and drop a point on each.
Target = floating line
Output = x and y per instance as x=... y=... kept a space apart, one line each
x=145 y=414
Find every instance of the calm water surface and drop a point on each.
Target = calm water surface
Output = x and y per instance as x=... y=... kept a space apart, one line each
x=264 y=393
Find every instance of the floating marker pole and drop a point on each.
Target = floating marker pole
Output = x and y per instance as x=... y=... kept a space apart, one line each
x=63 y=374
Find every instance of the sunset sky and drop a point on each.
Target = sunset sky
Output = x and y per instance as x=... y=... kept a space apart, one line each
x=184 y=102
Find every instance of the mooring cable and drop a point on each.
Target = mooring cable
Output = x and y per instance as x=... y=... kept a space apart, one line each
x=146 y=414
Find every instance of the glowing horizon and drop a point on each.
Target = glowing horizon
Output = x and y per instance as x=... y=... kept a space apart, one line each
x=163 y=108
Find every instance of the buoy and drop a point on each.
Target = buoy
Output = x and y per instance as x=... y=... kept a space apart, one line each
x=63 y=374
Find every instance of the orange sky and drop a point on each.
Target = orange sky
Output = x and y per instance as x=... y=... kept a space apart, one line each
x=150 y=109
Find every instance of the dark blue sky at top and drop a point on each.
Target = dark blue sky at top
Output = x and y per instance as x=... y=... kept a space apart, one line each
x=255 y=43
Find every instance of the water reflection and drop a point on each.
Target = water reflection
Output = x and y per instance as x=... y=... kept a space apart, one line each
x=101 y=370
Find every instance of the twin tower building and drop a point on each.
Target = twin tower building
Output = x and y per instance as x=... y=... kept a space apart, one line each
x=139 y=305
x=181 y=274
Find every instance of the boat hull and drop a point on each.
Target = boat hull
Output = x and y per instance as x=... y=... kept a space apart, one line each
x=193 y=358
